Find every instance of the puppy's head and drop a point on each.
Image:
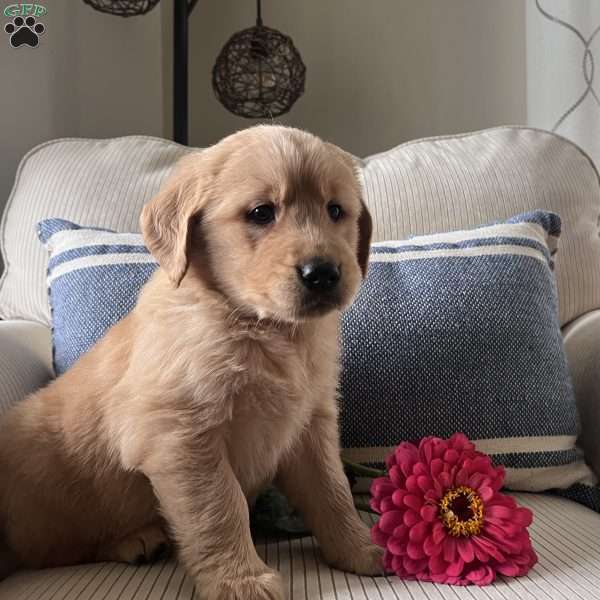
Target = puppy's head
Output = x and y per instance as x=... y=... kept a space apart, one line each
x=271 y=217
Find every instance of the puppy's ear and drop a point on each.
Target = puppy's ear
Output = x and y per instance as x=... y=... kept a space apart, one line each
x=167 y=219
x=365 y=229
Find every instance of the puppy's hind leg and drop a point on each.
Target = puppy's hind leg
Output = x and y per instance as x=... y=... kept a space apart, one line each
x=148 y=544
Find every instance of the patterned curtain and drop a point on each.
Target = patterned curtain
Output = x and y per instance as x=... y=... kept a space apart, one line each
x=563 y=46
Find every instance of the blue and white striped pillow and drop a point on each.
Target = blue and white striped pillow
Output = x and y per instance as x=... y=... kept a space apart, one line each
x=459 y=332
x=450 y=332
x=94 y=277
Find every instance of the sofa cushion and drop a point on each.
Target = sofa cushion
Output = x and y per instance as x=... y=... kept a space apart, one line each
x=566 y=537
x=427 y=186
x=582 y=344
x=102 y=183
x=94 y=278
x=457 y=182
x=25 y=360
x=459 y=332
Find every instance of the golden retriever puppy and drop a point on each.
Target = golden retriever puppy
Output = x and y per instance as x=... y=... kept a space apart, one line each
x=221 y=380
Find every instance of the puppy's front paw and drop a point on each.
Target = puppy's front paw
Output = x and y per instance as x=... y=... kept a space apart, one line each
x=363 y=560
x=266 y=586
x=358 y=556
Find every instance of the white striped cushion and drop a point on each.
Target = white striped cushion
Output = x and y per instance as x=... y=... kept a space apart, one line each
x=565 y=535
x=25 y=360
x=101 y=183
x=457 y=182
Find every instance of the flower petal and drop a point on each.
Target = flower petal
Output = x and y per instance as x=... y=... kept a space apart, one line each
x=523 y=516
x=508 y=568
x=411 y=518
x=401 y=533
x=390 y=520
x=429 y=512
x=483 y=575
x=410 y=565
x=475 y=480
x=436 y=466
x=396 y=546
x=465 y=549
x=419 y=532
x=449 y=549
x=379 y=537
x=424 y=482
x=386 y=504
x=480 y=554
x=398 y=498
x=420 y=469
x=396 y=476
x=414 y=502
x=499 y=512
x=437 y=564
x=455 y=568
x=438 y=533
x=415 y=550
x=451 y=456
x=411 y=484
x=430 y=547
x=382 y=486
x=445 y=480
x=462 y=477
x=486 y=493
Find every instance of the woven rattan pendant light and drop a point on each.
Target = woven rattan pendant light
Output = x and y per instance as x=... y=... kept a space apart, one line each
x=259 y=72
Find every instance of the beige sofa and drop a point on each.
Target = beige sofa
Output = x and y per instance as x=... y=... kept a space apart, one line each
x=420 y=187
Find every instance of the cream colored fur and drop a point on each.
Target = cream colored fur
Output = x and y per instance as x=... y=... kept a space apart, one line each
x=218 y=382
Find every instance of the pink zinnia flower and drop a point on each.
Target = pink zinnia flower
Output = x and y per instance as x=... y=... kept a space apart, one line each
x=443 y=518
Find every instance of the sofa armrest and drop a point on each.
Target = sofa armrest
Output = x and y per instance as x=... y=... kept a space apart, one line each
x=25 y=360
x=582 y=344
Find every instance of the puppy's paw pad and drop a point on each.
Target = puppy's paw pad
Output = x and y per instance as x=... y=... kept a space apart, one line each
x=267 y=586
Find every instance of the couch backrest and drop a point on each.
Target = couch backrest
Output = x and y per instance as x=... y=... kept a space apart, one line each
x=425 y=186
x=456 y=182
x=103 y=183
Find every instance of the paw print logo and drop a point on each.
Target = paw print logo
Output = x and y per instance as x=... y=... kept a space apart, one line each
x=24 y=32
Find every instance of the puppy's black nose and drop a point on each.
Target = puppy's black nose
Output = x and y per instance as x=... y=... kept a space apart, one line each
x=319 y=274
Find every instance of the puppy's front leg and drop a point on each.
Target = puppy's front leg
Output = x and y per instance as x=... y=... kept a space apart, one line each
x=314 y=481
x=204 y=504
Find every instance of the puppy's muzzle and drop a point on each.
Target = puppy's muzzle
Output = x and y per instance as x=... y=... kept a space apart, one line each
x=319 y=275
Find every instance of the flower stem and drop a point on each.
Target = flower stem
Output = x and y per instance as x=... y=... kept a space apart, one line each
x=364 y=507
x=362 y=471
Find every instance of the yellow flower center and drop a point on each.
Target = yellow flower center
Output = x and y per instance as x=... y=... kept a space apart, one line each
x=461 y=511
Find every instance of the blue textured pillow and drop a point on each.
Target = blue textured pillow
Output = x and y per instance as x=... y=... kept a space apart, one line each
x=450 y=332
x=94 y=278
x=459 y=332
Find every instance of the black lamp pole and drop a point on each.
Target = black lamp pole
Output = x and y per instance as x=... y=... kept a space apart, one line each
x=182 y=9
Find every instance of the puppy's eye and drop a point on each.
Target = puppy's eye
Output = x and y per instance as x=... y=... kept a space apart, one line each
x=335 y=211
x=262 y=214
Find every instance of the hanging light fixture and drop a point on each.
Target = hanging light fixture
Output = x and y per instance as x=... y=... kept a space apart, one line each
x=259 y=72
x=123 y=8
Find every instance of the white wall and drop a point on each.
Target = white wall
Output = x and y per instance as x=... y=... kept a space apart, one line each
x=380 y=72
x=93 y=75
